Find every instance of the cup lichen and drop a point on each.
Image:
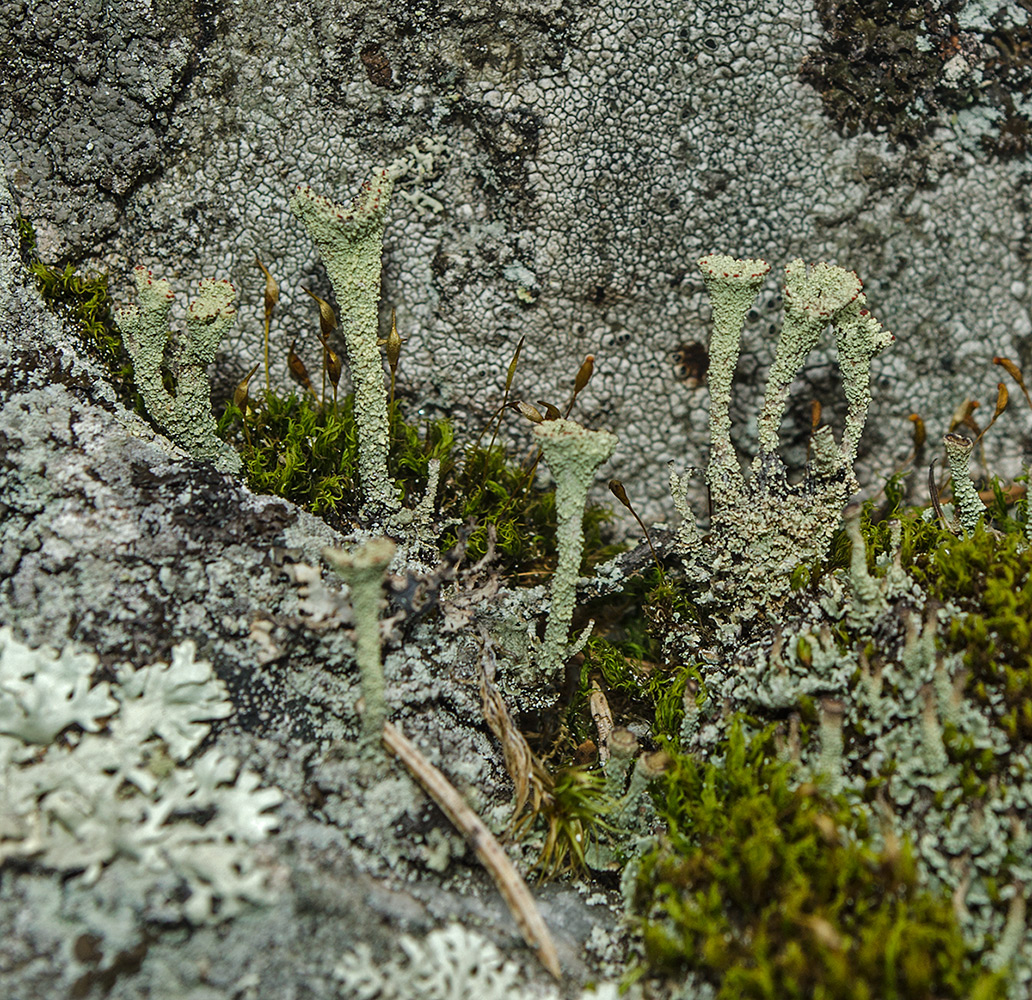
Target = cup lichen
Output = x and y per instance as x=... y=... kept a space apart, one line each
x=184 y=415
x=363 y=570
x=573 y=453
x=764 y=527
x=350 y=242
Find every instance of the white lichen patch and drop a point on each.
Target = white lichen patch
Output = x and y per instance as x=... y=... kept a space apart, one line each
x=451 y=963
x=98 y=781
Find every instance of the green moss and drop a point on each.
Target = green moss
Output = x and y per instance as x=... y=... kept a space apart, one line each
x=987 y=576
x=487 y=491
x=626 y=657
x=298 y=449
x=571 y=814
x=770 y=891
x=85 y=302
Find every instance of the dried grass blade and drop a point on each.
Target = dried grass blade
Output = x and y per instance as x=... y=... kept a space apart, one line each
x=510 y=884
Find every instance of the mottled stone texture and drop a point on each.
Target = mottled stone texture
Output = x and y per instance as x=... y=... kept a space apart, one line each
x=565 y=165
x=113 y=539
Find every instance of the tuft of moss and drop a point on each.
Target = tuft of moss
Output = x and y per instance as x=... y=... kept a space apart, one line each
x=571 y=812
x=307 y=452
x=767 y=890
x=887 y=67
x=84 y=300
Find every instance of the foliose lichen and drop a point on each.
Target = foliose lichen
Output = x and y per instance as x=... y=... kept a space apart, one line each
x=102 y=780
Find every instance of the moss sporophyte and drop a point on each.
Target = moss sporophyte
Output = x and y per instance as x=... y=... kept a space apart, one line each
x=802 y=730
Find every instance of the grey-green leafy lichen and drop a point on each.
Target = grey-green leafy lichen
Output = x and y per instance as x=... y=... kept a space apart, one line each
x=122 y=788
x=451 y=963
x=185 y=414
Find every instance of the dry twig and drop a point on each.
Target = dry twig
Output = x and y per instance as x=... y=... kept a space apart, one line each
x=510 y=884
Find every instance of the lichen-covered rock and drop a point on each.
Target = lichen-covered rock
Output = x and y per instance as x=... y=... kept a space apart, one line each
x=558 y=165
x=114 y=541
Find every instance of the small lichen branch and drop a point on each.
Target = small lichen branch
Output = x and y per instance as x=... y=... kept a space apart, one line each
x=185 y=416
x=573 y=453
x=732 y=285
x=967 y=505
x=363 y=571
x=350 y=242
x=764 y=527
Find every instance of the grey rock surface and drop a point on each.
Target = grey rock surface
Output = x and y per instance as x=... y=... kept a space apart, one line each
x=113 y=540
x=561 y=167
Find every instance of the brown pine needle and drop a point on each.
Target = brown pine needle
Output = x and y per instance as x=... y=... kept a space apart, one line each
x=509 y=882
x=519 y=760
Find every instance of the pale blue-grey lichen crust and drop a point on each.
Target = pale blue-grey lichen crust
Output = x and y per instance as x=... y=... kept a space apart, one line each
x=583 y=153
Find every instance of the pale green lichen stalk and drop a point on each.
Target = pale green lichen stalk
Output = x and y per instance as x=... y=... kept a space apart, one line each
x=732 y=285
x=186 y=415
x=811 y=299
x=350 y=242
x=967 y=504
x=764 y=527
x=363 y=571
x=573 y=453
